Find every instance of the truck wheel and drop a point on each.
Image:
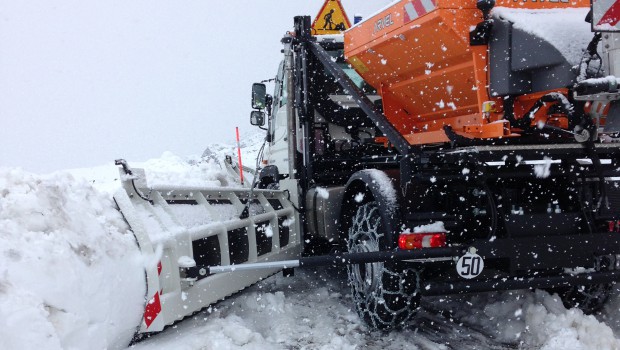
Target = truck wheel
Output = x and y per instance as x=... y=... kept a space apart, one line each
x=385 y=295
x=589 y=298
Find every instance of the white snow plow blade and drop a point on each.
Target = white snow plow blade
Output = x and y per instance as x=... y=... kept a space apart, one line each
x=178 y=228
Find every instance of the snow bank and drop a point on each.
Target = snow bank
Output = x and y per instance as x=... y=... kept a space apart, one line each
x=168 y=169
x=71 y=276
x=172 y=169
x=535 y=320
x=71 y=273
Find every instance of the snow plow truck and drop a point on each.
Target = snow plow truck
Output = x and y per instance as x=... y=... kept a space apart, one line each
x=437 y=147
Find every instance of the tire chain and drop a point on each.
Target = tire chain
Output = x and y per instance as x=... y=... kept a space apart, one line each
x=396 y=311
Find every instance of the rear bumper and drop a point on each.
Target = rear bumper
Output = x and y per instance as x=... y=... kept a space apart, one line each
x=529 y=263
x=498 y=284
x=549 y=252
x=510 y=263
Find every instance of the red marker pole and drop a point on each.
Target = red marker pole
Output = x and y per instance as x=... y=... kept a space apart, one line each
x=239 y=154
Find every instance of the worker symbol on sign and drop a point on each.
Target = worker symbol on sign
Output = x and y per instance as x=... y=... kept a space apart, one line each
x=328 y=20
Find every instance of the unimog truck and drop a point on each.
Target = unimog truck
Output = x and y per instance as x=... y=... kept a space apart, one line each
x=437 y=147
x=484 y=133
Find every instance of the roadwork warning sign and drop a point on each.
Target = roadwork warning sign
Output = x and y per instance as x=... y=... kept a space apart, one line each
x=331 y=19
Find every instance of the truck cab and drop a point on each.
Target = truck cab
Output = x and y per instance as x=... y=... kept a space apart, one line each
x=339 y=124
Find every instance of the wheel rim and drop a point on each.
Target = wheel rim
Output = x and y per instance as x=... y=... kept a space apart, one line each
x=366 y=276
x=364 y=238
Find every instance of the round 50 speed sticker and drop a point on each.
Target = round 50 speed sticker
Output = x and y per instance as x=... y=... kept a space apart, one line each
x=470 y=265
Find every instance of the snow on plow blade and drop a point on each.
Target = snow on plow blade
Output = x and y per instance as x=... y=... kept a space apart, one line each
x=179 y=228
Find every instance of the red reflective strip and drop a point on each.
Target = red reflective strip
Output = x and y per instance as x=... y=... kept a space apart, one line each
x=419 y=8
x=410 y=13
x=612 y=16
x=428 y=5
x=153 y=308
x=158 y=268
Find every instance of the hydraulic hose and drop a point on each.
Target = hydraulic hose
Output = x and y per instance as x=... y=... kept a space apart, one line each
x=564 y=106
x=563 y=103
x=129 y=172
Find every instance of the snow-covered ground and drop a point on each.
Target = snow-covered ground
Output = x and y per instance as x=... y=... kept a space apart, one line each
x=71 y=277
x=312 y=310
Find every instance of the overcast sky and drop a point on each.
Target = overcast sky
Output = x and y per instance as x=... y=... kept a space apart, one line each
x=85 y=82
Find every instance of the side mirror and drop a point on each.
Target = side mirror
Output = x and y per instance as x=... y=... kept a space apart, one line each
x=257 y=118
x=259 y=96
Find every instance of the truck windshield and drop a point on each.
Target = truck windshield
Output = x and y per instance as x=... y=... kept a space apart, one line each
x=351 y=73
x=356 y=78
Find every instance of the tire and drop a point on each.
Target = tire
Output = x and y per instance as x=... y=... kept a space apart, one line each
x=385 y=295
x=589 y=298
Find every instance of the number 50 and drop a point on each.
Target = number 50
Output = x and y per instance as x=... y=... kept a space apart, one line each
x=470 y=265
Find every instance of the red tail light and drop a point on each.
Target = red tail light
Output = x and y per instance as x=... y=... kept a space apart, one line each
x=614 y=226
x=421 y=240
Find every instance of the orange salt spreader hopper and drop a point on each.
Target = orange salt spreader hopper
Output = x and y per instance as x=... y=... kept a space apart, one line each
x=419 y=56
